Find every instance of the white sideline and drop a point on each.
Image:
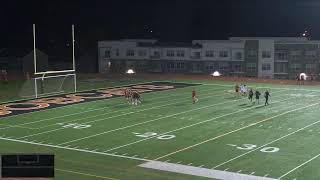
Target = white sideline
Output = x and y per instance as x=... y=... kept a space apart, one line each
x=230 y=132
x=201 y=172
x=132 y=112
x=282 y=137
x=201 y=122
x=73 y=149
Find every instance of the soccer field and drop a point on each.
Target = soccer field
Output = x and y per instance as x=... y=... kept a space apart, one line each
x=222 y=136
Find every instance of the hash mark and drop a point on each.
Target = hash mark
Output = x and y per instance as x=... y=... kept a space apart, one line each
x=239 y=171
x=233 y=145
x=266 y=175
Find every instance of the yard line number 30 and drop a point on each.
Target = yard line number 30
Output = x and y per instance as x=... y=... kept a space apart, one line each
x=253 y=146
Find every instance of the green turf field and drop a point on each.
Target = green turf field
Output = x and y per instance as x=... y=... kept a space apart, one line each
x=221 y=132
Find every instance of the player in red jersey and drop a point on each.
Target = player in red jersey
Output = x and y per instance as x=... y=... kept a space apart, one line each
x=194 y=96
x=126 y=94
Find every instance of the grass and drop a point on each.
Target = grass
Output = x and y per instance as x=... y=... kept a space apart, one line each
x=221 y=131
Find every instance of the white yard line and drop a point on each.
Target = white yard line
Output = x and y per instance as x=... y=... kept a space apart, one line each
x=45 y=132
x=230 y=132
x=294 y=169
x=201 y=122
x=154 y=107
x=82 y=112
x=87 y=137
x=262 y=146
x=73 y=149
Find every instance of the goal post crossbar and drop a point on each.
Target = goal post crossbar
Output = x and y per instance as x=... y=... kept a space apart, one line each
x=54 y=72
x=55 y=76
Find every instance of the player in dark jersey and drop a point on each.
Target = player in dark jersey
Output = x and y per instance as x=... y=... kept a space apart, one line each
x=250 y=95
x=298 y=79
x=194 y=96
x=135 y=98
x=257 y=93
x=266 y=96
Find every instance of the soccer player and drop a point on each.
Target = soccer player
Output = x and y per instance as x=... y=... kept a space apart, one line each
x=236 y=88
x=126 y=94
x=4 y=76
x=257 y=93
x=266 y=96
x=250 y=95
x=194 y=96
x=130 y=94
x=298 y=79
x=136 y=98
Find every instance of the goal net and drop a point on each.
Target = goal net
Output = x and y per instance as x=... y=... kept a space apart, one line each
x=49 y=85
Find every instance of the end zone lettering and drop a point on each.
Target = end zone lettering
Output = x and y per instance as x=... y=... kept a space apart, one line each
x=27 y=106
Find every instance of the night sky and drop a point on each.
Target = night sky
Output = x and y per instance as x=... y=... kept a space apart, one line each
x=167 y=20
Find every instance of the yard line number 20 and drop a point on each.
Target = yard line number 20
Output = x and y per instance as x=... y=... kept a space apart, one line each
x=153 y=134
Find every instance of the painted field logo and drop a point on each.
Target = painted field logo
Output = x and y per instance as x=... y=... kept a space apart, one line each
x=27 y=106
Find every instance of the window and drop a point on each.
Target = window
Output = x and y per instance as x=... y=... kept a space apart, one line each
x=281 y=56
x=310 y=68
x=107 y=53
x=142 y=52
x=266 y=54
x=223 y=66
x=180 y=65
x=295 y=67
x=117 y=52
x=266 y=67
x=238 y=55
x=311 y=54
x=180 y=53
x=196 y=54
x=209 y=53
x=252 y=53
x=223 y=54
x=209 y=67
x=281 y=67
x=237 y=68
x=170 y=65
x=130 y=52
x=251 y=67
x=295 y=55
x=170 y=53
x=156 y=53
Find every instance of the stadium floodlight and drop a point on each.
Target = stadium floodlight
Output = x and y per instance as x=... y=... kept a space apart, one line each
x=303 y=76
x=130 y=71
x=216 y=74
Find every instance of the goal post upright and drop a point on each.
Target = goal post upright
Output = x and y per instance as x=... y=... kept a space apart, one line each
x=34 y=58
x=73 y=60
x=53 y=74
